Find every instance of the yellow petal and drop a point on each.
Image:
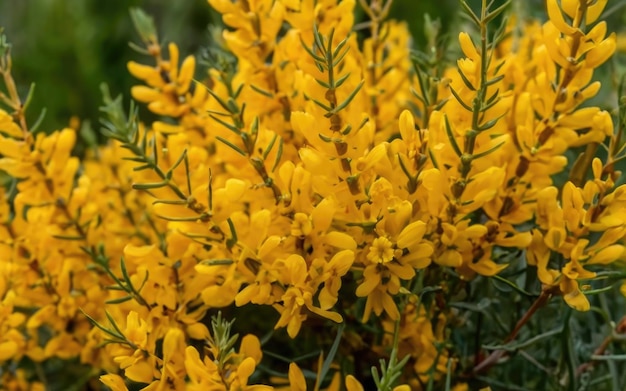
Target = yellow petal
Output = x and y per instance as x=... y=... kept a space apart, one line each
x=450 y=258
x=573 y=296
x=139 y=251
x=390 y=307
x=335 y=317
x=140 y=71
x=594 y=11
x=608 y=255
x=141 y=372
x=340 y=240
x=556 y=17
x=487 y=267
x=173 y=63
x=251 y=347
x=369 y=284
x=326 y=298
x=352 y=384
x=322 y=215
x=196 y=369
x=245 y=370
x=114 y=382
x=555 y=237
x=40 y=317
x=144 y=94
x=341 y=262
x=570 y=7
x=198 y=331
x=601 y=52
x=8 y=349
x=406 y=123
x=411 y=234
x=468 y=47
x=296 y=378
x=173 y=343
x=8 y=126
x=186 y=74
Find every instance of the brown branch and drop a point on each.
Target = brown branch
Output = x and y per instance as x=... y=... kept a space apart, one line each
x=588 y=366
x=496 y=355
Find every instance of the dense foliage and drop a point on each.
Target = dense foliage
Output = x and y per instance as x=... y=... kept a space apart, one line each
x=312 y=205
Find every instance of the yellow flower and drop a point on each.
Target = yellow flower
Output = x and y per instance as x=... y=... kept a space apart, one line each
x=63 y=345
x=302 y=225
x=573 y=295
x=137 y=367
x=297 y=296
x=201 y=373
x=173 y=371
x=296 y=378
x=389 y=263
x=556 y=18
x=333 y=270
x=381 y=251
x=136 y=330
x=114 y=382
x=12 y=344
x=169 y=92
x=352 y=384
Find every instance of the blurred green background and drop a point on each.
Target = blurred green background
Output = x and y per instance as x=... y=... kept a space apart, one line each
x=69 y=47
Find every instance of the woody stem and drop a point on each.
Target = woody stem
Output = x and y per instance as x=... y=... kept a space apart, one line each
x=496 y=355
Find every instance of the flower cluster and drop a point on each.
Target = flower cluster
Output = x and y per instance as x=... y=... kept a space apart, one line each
x=332 y=183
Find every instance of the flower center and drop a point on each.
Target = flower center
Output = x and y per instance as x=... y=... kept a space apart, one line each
x=381 y=250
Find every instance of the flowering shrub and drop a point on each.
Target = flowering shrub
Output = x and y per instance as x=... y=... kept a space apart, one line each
x=364 y=217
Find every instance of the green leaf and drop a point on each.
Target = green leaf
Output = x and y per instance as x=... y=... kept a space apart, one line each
x=217 y=262
x=511 y=347
x=225 y=124
x=98 y=325
x=149 y=186
x=322 y=83
x=5 y=46
x=466 y=81
x=262 y=91
x=217 y=97
x=279 y=154
x=233 y=146
x=144 y=24
x=341 y=80
x=461 y=102
x=125 y=274
x=68 y=237
x=119 y=300
x=451 y=137
x=232 y=241
x=470 y=13
x=38 y=121
x=114 y=324
x=487 y=152
x=491 y=15
x=320 y=104
x=347 y=101
x=310 y=51
x=331 y=356
x=269 y=147
x=494 y=80
x=490 y=124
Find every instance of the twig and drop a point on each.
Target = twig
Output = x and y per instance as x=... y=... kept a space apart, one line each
x=600 y=350
x=495 y=356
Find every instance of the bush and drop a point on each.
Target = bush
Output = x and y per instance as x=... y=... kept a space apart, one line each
x=311 y=204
